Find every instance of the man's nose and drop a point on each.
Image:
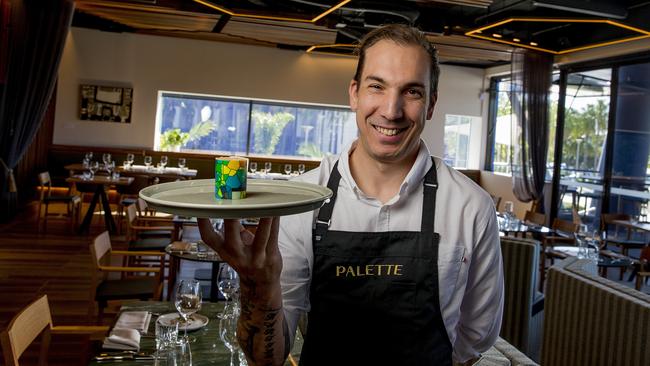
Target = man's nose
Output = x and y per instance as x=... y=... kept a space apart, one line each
x=393 y=106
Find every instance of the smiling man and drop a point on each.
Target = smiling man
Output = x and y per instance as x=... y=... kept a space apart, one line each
x=402 y=266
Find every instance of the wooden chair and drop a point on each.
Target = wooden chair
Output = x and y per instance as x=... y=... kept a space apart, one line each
x=130 y=285
x=128 y=195
x=146 y=232
x=72 y=203
x=535 y=218
x=496 y=200
x=32 y=321
x=623 y=242
x=564 y=234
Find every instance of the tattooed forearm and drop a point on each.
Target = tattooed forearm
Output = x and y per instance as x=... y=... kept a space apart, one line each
x=261 y=331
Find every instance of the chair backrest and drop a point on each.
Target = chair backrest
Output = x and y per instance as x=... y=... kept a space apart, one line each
x=535 y=217
x=608 y=218
x=45 y=183
x=24 y=328
x=100 y=246
x=520 y=268
x=563 y=225
x=496 y=200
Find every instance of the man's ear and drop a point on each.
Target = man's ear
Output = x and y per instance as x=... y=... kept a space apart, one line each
x=432 y=103
x=353 y=91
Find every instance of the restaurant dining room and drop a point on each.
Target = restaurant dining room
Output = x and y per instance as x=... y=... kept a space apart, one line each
x=280 y=182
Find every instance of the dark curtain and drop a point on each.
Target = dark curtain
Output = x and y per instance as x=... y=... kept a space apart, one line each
x=36 y=34
x=531 y=81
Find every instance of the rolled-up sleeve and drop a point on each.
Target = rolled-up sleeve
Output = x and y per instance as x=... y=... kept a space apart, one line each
x=482 y=305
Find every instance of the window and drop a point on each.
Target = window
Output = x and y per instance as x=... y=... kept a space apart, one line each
x=457 y=140
x=251 y=127
x=505 y=118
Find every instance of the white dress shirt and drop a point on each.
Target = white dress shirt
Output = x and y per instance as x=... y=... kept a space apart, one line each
x=469 y=254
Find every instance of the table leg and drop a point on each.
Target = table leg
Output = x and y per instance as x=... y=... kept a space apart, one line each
x=85 y=225
x=108 y=215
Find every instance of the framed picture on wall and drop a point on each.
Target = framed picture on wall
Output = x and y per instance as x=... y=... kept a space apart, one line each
x=105 y=103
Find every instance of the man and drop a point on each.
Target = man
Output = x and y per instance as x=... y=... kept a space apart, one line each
x=403 y=265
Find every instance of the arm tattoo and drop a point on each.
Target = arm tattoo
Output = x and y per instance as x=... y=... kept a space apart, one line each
x=266 y=333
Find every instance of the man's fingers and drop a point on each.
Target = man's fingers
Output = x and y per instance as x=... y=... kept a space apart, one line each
x=261 y=237
x=272 y=243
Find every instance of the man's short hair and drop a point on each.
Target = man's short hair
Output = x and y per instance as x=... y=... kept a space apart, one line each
x=402 y=35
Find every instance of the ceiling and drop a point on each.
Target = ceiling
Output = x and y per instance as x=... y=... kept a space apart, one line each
x=479 y=33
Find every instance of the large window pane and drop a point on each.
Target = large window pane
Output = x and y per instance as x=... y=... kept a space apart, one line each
x=503 y=128
x=234 y=126
x=629 y=193
x=585 y=131
x=457 y=140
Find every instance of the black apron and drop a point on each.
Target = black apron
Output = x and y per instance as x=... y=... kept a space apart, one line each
x=374 y=296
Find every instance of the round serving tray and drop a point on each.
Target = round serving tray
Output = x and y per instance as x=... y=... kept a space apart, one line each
x=264 y=198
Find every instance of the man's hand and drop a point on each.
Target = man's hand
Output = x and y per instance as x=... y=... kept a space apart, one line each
x=256 y=258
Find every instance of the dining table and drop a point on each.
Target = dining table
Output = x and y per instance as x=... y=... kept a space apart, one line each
x=100 y=183
x=129 y=170
x=606 y=258
x=207 y=349
x=198 y=252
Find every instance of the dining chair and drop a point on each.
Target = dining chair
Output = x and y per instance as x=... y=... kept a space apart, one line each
x=128 y=195
x=141 y=283
x=147 y=232
x=71 y=202
x=623 y=241
x=33 y=320
x=496 y=200
x=535 y=218
x=563 y=233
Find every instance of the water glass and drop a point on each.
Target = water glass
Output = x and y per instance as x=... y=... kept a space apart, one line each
x=267 y=167
x=253 y=167
x=106 y=158
x=301 y=168
x=147 y=161
x=163 y=161
x=166 y=334
x=581 y=240
x=181 y=163
x=287 y=169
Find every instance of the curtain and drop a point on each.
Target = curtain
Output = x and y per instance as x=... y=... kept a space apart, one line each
x=36 y=34
x=531 y=81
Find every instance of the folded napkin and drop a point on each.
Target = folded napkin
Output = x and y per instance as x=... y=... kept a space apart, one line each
x=180 y=246
x=123 y=339
x=138 y=320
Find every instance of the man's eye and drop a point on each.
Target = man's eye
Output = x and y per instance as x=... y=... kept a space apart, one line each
x=414 y=92
x=375 y=86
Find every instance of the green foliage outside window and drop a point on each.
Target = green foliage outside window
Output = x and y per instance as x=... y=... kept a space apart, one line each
x=268 y=129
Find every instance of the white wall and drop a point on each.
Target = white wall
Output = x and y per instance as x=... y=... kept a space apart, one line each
x=152 y=63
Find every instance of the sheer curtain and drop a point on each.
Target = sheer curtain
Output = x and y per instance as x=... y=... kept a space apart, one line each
x=36 y=34
x=531 y=81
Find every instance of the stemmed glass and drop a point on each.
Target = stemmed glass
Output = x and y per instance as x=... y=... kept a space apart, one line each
x=147 y=161
x=267 y=167
x=301 y=168
x=106 y=158
x=581 y=239
x=130 y=158
x=93 y=166
x=228 y=335
x=163 y=161
x=181 y=163
x=287 y=169
x=110 y=167
x=187 y=302
x=253 y=167
x=228 y=282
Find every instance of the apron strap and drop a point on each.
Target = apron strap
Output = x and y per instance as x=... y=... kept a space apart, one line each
x=325 y=213
x=429 y=203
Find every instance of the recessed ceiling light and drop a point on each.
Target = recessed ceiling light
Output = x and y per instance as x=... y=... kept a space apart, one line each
x=516 y=39
x=496 y=35
x=533 y=43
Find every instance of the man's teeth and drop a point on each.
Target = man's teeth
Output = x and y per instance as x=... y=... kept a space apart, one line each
x=388 y=131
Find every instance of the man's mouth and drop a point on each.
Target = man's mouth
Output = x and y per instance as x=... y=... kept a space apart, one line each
x=389 y=131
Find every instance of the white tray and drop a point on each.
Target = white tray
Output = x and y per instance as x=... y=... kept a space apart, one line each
x=265 y=198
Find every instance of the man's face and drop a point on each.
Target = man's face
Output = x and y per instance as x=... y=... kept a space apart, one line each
x=392 y=100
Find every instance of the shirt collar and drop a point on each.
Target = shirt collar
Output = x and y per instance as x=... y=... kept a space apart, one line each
x=411 y=182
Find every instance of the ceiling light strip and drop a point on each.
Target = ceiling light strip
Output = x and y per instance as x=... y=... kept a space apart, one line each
x=271 y=17
x=609 y=43
x=513 y=43
x=334 y=45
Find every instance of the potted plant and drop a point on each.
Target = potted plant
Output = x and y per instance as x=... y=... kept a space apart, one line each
x=174 y=138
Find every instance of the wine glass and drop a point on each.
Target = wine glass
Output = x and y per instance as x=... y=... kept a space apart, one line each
x=301 y=168
x=253 y=167
x=228 y=282
x=187 y=302
x=163 y=161
x=581 y=239
x=130 y=158
x=267 y=167
x=106 y=158
x=181 y=163
x=93 y=167
x=287 y=169
x=110 y=167
x=147 y=161
x=228 y=335
x=89 y=155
